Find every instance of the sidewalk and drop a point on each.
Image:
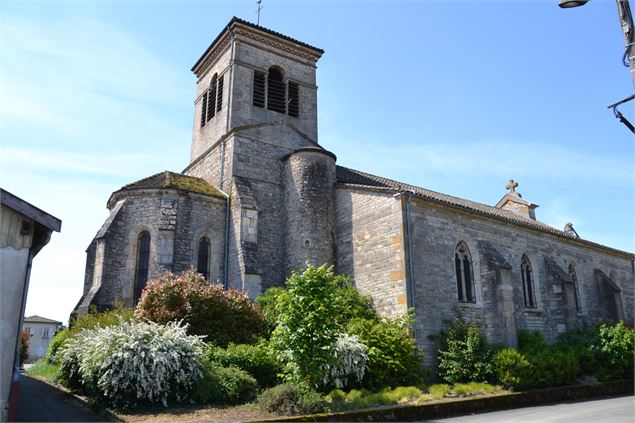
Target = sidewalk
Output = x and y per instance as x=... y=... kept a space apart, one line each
x=41 y=402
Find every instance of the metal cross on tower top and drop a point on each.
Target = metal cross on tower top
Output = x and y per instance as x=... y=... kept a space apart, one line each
x=511 y=186
x=258 y=10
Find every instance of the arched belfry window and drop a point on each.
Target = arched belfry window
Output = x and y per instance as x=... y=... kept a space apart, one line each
x=202 y=263
x=212 y=100
x=527 y=276
x=464 y=274
x=272 y=90
x=143 y=263
x=276 y=91
x=576 y=288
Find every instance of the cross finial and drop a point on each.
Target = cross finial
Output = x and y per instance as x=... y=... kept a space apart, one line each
x=511 y=186
x=259 y=9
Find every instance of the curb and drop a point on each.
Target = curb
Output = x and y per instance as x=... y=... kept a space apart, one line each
x=402 y=413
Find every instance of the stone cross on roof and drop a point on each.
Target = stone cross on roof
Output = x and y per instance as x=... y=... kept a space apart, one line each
x=511 y=186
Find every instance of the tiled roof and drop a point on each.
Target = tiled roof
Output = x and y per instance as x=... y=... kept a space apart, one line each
x=254 y=26
x=172 y=180
x=39 y=319
x=365 y=180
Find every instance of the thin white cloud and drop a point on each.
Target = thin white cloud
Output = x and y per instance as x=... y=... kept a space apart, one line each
x=500 y=158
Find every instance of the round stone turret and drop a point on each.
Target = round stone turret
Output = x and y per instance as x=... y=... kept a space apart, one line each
x=309 y=179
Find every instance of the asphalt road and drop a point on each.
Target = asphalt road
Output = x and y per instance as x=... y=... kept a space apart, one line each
x=606 y=410
x=40 y=402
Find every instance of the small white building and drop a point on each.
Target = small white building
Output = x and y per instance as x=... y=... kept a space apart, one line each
x=40 y=330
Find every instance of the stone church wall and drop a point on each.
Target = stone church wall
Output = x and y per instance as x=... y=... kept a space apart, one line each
x=436 y=230
x=370 y=249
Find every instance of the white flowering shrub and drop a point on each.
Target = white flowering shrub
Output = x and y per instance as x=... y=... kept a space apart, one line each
x=133 y=362
x=350 y=360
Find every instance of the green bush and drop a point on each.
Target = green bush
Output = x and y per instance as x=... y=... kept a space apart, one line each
x=584 y=343
x=103 y=319
x=550 y=367
x=307 y=328
x=616 y=351
x=531 y=341
x=393 y=359
x=224 y=385
x=349 y=301
x=221 y=315
x=256 y=360
x=57 y=341
x=267 y=304
x=464 y=355
x=509 y=366
x=290 y=399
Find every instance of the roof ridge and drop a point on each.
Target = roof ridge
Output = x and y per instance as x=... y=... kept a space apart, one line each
x=459 y=202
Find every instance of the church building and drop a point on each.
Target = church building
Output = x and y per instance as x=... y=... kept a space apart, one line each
x=261 y=197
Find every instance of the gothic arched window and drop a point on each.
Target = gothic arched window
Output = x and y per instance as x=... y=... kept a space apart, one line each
x=143 y=262
x=464 y=274
x=527 y=276
x=202 y=264
x=576 y=289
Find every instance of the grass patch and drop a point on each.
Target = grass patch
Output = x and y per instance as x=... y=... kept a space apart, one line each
x=438 y=391
x=44 y=369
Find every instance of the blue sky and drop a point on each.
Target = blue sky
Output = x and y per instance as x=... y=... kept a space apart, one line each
x=454 y=96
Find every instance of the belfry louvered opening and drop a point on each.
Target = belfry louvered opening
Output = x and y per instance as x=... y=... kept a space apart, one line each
x=294 y=99
x=212 y=100
x=276 y=91
x=259 y=89
x=271 y=89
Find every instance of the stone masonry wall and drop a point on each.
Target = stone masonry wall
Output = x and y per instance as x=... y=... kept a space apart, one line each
x=200 y=216
x=436 y=230
x=175 y=221
x=142 y=211
x=309 y=179
x=370 y=249
x=204 y=136
x=251 y=55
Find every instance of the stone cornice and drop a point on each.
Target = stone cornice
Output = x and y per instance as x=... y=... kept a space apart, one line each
x=248 y=31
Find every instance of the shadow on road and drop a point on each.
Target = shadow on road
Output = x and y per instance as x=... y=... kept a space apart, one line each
x=41 y=402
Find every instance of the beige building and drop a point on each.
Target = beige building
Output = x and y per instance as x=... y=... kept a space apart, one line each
x=40 y=330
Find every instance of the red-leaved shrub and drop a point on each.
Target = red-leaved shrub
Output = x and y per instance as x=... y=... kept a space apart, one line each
x=221 y=315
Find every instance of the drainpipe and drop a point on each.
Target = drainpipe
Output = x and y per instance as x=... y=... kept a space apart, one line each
x=226 y=253
x=222 y=163
x=405 y=197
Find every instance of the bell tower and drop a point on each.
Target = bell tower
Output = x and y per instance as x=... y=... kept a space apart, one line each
x=250 y=75
x=255 y=138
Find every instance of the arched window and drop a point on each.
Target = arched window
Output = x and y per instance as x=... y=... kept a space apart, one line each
x=276 y=91
x=464 y=275
x=202 y=264
x=576 y=289
x=527 y=276
x=212 y=99
x=143 y=261
x=271 y=89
